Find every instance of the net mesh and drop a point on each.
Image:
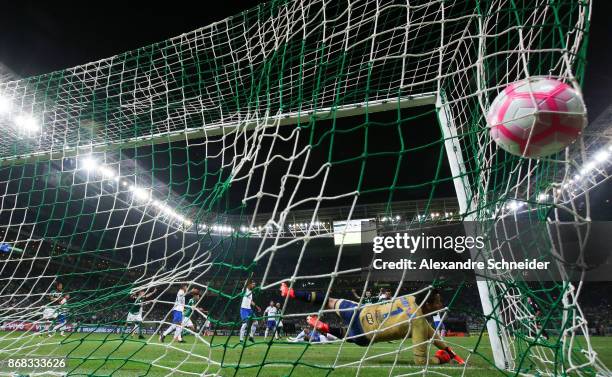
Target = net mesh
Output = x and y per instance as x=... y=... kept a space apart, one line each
x=227 y=153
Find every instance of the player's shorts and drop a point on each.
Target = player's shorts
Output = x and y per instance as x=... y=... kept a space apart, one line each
x=343 y=311
x=315 y=337
x=437 y=323
x=134 y=317
x=61 y=318
x=177 y=317
x=245 y=313
x=271 y=324
x=187 y=322
x=49 y=313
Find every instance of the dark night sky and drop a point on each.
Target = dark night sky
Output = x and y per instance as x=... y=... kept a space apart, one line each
x=40 y=37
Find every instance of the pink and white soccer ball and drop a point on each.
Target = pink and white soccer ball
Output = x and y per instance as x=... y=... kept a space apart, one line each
x=536 y=117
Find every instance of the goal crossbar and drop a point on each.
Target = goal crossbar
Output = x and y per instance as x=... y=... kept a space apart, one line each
x=217 y=129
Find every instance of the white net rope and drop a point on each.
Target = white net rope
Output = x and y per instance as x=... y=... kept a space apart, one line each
x=186 y=162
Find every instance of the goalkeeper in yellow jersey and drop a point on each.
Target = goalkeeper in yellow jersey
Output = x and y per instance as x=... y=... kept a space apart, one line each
x=388 y=320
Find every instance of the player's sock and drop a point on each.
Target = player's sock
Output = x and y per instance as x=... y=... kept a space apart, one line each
x=243 y=330
x=253 y=328
x=305 y=296
x=169 y=330
x=300 y=336
x=43 y=328
x=266 y=333
x=177 y=332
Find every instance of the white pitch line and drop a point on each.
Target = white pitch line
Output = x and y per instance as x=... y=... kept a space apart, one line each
x=302 y=365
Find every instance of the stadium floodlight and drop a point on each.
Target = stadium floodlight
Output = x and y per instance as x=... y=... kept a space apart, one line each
x=5 y=105
x=141 y=194
x=107 y=172
x=89 y=164
x=542 y=197
x=590 y=165
x=514 y=205
x=602 y=156
x=166 y=210
x=27 y=123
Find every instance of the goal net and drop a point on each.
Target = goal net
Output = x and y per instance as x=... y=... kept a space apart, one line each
x=236 y=151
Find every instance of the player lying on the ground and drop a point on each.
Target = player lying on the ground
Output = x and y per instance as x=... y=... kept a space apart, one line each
x=135 y=312
x=385 y=321
x=309 y=336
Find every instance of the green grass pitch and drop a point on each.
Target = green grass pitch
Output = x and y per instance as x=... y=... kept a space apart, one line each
x=103 y=355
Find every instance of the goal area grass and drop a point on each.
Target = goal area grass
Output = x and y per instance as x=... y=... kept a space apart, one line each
x=106 y=354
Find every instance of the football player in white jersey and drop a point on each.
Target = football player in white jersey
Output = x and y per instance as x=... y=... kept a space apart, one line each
x=246 y=311
x=270 y=317
x=177 y=316
x=439 y=325
x=279 y=321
